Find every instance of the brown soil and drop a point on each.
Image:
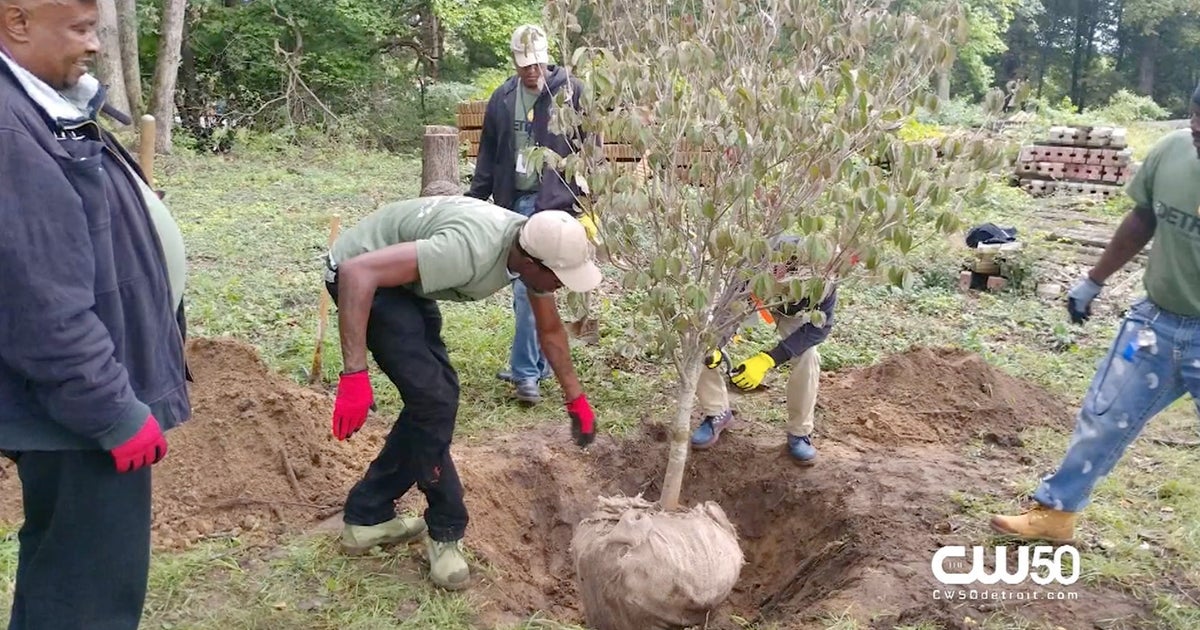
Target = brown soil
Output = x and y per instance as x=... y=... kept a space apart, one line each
x=226 y=473
x=936 y=396
x=856 y=532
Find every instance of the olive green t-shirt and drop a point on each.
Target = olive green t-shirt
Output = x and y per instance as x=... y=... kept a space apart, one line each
x=1169 y=183
x=523 y=138
x=462 y=243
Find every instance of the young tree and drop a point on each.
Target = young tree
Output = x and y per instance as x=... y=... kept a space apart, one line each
x=758 y=119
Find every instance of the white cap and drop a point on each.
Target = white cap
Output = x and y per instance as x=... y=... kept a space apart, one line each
x=560 y=241
x=529 y=46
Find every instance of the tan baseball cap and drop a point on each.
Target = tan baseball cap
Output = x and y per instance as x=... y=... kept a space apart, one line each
x=560 y=241
x=529 y=46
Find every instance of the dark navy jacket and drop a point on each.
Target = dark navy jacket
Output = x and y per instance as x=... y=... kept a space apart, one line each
x=807 y=335
x=90 y=343
x=496 y=166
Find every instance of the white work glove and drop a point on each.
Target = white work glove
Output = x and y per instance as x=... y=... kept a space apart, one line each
x=1079 y=299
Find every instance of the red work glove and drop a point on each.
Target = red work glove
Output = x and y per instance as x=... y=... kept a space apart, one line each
x=354 y=399
x=146 y=448
x=583 y=420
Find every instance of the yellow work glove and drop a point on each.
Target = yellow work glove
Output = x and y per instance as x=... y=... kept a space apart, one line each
x=713 y=359
x=589 y=226
x=749 y=374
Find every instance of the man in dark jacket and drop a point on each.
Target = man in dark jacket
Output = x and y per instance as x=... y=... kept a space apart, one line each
x=517 y=120
x=91 y=333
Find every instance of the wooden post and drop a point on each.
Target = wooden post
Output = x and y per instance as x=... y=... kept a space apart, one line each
x=314 y=374
x=439 y=155
x=146 y=148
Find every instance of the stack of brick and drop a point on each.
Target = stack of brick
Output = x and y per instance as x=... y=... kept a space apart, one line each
x=469 y=121
x=1093 y=161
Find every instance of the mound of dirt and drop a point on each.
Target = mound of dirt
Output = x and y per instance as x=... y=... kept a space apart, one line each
x=257 y=454
x=256 y=459
x=937 y=396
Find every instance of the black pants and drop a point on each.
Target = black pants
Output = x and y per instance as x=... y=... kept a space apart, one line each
x=84 y=553
x=404 y=335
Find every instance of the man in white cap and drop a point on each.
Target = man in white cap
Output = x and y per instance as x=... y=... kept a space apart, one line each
x=517 y=120
x=386 y=275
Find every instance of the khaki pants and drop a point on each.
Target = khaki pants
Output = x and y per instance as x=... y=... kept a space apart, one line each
x=713 y=398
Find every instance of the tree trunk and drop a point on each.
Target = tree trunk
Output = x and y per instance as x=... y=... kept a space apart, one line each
x=127 y=26
x=943 y=86
x=1078 y=53
x=680 y=433
x=1043 y=60
x=166 y=72
x=1146 y=66
x=108 y=63
x=439 y=155
x=192 y=103
x=1088 y=54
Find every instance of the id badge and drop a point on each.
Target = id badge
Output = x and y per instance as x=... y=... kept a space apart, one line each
x=521 y=164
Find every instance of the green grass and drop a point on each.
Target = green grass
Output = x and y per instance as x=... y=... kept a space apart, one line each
x=256 y=225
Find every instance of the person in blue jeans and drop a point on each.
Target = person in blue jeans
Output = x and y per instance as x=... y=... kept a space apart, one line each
x=517 y=120
x=1155 y=358
x=527 y=363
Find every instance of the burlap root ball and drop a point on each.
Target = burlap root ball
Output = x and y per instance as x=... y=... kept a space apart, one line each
x=640 y=568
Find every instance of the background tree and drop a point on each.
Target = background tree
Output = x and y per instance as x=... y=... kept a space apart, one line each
x=131 y=64
x=376 y=72
x=166 y=72
x=109 y=68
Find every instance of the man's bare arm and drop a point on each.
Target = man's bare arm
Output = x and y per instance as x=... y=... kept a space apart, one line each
x=552 y=336
x=1130 y=238
x=357 y=280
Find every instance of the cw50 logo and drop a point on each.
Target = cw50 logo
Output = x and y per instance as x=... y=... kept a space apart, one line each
x=1046 y=564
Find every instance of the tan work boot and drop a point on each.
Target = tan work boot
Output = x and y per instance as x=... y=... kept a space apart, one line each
x=447 y=564
x=1038 y=523
x=358 y=539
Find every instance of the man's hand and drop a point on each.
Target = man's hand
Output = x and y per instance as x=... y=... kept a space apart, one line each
x=583 y=420
x=1079 y=299
x=146 y=448
x=749 y=374
x=354 y=399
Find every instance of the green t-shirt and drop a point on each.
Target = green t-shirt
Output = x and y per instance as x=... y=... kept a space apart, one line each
x=1169 y=183
x=171 y=239
x=462 y=243
x=523 y=138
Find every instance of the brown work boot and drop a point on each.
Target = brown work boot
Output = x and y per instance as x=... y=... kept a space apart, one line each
x=1038 y=523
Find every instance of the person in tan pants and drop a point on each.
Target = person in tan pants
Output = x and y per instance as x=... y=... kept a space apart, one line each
x=799 y=339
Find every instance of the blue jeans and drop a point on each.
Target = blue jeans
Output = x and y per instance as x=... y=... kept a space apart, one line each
x=526 y=359
x=1136 y=381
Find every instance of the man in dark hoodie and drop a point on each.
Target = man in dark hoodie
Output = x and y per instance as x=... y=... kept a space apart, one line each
x=517 y=120
x=799 y=338
x=91 y=330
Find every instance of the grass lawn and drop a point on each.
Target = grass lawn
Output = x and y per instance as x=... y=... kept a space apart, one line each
x=256 y=224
